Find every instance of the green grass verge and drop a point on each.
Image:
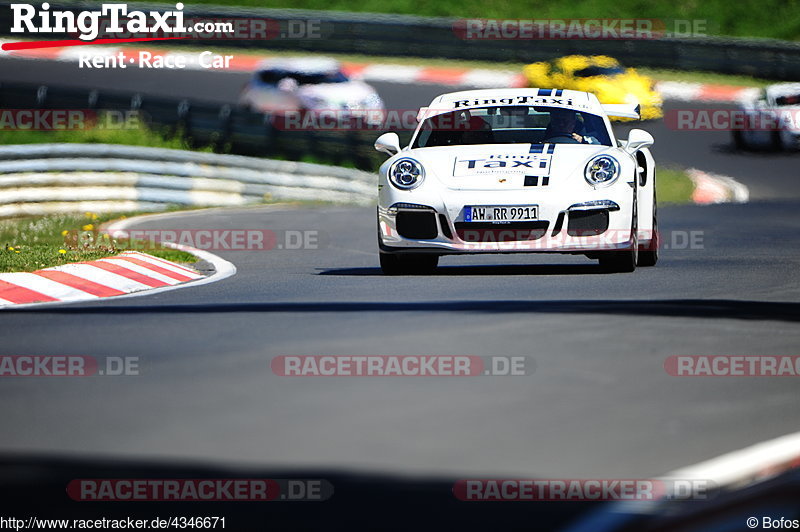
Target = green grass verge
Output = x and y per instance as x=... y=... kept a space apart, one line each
x=673 y=185
x=779 y=19
x=136 y=135
x=38 y=242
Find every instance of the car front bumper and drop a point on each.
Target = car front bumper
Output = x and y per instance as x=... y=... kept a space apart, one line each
x=591 y=224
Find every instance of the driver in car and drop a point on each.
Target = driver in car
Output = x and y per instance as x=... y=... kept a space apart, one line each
x=562 y=129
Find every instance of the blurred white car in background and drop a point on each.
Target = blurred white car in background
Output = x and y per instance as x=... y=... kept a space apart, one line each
x=772 y=119
x=304 y=84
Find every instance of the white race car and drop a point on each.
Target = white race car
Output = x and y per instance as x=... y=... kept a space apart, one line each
x=517 y=171
x=772 y=119
x=304 y=84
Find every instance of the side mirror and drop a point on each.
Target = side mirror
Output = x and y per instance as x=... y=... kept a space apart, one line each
x=389 y=143
x=638 y=139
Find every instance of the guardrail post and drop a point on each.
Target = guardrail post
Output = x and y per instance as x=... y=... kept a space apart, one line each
x=184 y=120
x=220 y=143
x=94 y=96
x=41 y=96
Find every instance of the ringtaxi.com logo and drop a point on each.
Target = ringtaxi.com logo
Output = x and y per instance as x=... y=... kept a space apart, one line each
x=401 y=366
x=117 y=21
x=67 y=366
x=86 y=23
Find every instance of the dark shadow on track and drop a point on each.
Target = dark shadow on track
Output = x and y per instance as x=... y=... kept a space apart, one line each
x=504 y=269
x=679 y=308
x=36 y=486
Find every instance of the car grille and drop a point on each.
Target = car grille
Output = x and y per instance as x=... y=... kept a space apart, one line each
x=587 y=223
x=506 y=232
x=417 y=224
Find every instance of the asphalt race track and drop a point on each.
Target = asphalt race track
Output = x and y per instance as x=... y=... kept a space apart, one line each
x=599 y=403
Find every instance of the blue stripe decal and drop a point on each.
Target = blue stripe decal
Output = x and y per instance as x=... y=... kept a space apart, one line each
x=543 y=92
x=536 y=148
x=551 y=148
x=559 y=92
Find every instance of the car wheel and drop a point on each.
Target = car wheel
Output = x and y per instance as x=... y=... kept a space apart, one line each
x=739 y=141
x=618 y=261
x=776 y=141
x=408 y=264
x=649 y=256
x=623 y=261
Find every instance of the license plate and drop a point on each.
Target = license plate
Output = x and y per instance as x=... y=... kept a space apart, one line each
x=501 y=213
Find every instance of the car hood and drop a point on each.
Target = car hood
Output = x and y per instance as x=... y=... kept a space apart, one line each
x=337 y=95
x=504 y=166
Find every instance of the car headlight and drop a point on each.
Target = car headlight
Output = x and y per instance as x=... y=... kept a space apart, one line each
x=601 y=170
x=406 y=174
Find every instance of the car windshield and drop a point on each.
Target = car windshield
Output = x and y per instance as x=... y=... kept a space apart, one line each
x=791 y=99
x=272 y=77
x=595 y=70
x=512 y=125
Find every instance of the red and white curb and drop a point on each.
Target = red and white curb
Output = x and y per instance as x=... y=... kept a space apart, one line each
x=714 y=188
x=704 y=92
x=376 y=72
x=129 y=274
x=122 y=274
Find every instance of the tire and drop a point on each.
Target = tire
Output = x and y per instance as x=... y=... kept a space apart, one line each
x=738 y=140
x=649 y=257
x=623 y=261
x=619 y=261
x=776 y=141
x=408 y=264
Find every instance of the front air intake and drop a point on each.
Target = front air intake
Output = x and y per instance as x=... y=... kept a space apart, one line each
x=417 y=224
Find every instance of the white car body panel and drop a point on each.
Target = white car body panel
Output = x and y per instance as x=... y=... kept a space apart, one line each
x=344 y=96
x=765 y=109
x=452 y=182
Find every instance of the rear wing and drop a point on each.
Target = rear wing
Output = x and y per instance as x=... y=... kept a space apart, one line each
x=622 y=110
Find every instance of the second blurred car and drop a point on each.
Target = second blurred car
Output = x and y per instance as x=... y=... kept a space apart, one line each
x=304 y=84
x=599 y=74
